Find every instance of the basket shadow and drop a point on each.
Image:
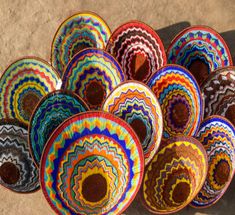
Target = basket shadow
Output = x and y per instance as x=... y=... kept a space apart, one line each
x=168 y=33
x=229 y=39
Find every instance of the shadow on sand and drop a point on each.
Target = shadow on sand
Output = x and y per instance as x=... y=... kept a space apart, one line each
x=229 y=37
x=168 y=33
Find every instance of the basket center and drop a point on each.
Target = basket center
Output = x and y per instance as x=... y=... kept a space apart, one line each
x=94 y=188
x=29 y=102
x=9 y=173
x=140 y=67
x=222 y=172
x=181 y=192
x=180 y=114
x=139 y=128
x=95 y=93
x=79 y=47
x=199 y=69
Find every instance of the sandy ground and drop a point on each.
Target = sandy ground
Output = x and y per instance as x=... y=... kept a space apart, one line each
x=28 y=27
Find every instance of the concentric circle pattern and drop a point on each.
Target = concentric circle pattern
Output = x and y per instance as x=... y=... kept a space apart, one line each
x=218 y=137
x=201 y=50
x=51 y=111
x=79 y=31
x=137 y=105
x=17 y=170
x=174 y=176
x=180 y=98
x=218 y=91
x=23 y=84
x=138 y=49
x=92 y=74
x=92 y=164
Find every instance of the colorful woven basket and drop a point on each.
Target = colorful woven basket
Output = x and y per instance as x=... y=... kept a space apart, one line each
x=180 y=98
x=138 y=49
x=174 y=176
x=82 y=30
x=138 y=106
x=23 y=84
x=92 y=74
x=92 y=164
x=201 y=50
x=51 y=111
x=218 y=91
x=17 y=170
x=218 y=137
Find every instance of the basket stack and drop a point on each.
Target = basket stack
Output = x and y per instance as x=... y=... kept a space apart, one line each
x=115 y=115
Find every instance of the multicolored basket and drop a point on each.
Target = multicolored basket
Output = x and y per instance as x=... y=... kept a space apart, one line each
x=138 y=106
x=92 y=164
x=139 y=50
x=50 y=112
x=218 y=138
x=201 y=50
x=80 y=31
x=180 y=98
x=174 y=176
x=17 y=170
x=92 y=74
x=23 y=84
x=218 y=92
